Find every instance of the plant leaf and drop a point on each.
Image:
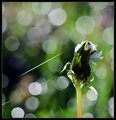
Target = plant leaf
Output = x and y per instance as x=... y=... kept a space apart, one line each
x=68 y=63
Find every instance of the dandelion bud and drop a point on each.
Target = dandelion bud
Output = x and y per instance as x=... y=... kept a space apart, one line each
x=83 y=54
x=79 y=67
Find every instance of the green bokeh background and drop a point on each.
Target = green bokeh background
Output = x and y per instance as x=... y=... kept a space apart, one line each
x=54 y=102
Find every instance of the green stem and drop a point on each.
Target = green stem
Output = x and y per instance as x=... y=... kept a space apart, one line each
x=79 y=101
x=76 y=82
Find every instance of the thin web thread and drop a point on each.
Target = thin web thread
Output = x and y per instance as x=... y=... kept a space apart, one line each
x=35 y=68
x=40 y=64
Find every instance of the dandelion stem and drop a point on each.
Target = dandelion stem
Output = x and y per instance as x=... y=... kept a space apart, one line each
x=79 y=101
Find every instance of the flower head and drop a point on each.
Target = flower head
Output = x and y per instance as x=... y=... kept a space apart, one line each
x=79 y=71
x=84 y=54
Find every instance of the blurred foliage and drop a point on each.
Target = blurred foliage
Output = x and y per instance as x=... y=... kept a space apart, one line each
x=41 y=30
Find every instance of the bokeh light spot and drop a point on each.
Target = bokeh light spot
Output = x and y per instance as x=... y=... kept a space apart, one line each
x=98 y=18
x=108 y=36
x=62 y=83
x=30 y=115
x=101 y=72
x=87 y=115
x=86 y=102
x=44 y=25
x=4 y=25
x=44 y=85
x=5 y=81
x=32 y=103
x=57 y=16
x=24 y=17
x=91 y=95
x=112 y=53
x=98 y=5
x=85 y=25
x=11 y=43
x=49 y=46
x=42 y=8
x=17 y=112
x=35 y=88
x=46 y=7
x=35 y=34
x=111 y=106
